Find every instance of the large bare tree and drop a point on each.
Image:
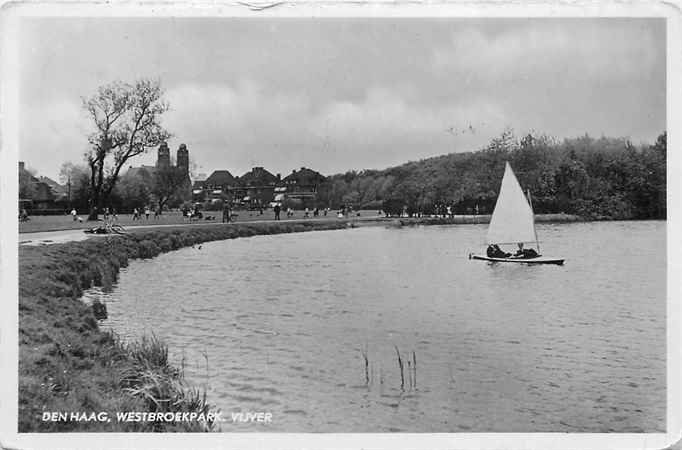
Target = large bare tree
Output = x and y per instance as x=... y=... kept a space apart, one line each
x=127 y=123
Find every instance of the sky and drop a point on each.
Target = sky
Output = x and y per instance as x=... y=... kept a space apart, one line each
x=338 y=94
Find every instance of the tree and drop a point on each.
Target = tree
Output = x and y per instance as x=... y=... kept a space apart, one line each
x=127 y=121
x=134 y=191
x=77 y=181
x=27 y=183
x=168 y=182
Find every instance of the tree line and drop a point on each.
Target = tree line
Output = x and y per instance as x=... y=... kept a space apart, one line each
x=166 y=186
x=599 y=178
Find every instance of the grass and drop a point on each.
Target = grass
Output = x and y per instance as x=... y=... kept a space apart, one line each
x=64 y=222
x=68 y=364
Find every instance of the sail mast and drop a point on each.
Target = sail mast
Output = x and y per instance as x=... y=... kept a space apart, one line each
x=530 y=203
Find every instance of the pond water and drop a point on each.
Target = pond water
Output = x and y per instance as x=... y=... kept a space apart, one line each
x=280 y=324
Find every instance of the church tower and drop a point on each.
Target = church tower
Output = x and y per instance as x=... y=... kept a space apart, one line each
x=183 y=159
x=163 y=159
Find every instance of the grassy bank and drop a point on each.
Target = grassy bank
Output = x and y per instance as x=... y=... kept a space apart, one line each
x=38 y=224
x=68 y=364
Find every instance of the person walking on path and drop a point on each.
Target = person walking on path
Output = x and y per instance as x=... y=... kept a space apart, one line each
x=74 y=214
x=157 y=213
x=226 y=213
x=147 y=212
x=277 y=210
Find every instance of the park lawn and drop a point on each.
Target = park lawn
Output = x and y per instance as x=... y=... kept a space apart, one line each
x=54 y=223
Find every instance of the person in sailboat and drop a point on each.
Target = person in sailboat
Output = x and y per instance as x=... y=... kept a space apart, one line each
x=494 y=251
x=525 y=252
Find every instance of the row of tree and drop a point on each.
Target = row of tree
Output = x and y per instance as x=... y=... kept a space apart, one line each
x=165 y=187
x=596 y=178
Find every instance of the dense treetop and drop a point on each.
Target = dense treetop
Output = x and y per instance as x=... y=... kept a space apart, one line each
x=596 y=178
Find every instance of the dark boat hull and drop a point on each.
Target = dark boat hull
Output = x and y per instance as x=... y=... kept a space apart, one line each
x=536 y=260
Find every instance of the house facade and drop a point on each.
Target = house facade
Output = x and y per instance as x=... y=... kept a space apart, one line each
x=257 y=188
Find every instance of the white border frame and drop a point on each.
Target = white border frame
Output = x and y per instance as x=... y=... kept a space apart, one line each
x=12 y=13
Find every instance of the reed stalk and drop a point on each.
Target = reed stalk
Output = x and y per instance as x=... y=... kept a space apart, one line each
x=409 y=374
x=364 y=352
x=400 y=365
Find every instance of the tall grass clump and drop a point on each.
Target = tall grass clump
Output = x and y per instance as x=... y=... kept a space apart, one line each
x=161 y=386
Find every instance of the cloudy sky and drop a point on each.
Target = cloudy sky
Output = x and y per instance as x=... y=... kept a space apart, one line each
x=338 y=94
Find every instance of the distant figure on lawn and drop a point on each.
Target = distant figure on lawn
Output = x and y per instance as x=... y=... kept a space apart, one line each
x=227 y=216
x=74 y=214
x=306 y=213
x=136 y=214
x=316 y=212
x=277 y=210
x=157 y=212
x=147 y=212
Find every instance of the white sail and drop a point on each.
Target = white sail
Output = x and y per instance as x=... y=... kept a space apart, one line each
x=512 y=219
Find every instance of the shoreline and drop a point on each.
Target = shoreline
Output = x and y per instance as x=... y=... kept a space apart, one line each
x=67 y=363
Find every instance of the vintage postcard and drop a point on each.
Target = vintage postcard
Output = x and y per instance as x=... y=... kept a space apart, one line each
x=341 y=225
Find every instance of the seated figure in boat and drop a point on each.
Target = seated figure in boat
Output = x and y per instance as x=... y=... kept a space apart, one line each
x=494 y=251
x=525 y=252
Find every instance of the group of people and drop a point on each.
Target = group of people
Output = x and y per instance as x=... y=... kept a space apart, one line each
x=316 y=212
x=494 y=251
x=137 y=213
x=277 y=209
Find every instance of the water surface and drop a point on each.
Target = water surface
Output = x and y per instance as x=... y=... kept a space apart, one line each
x=279 y=324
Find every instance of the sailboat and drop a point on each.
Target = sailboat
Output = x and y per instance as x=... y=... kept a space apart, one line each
x=513 y=223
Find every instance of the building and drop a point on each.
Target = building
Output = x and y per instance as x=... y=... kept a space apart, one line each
x=40 y=194
x=258 y=188
x=254 y=189
x=220 y=185
x=163 y=160
x=302 y=184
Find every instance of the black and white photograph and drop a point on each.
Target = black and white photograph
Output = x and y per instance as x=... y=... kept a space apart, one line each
x=360 y=224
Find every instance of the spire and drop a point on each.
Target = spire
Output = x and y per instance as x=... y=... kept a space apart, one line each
x=183 y=158
x=163 y=156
